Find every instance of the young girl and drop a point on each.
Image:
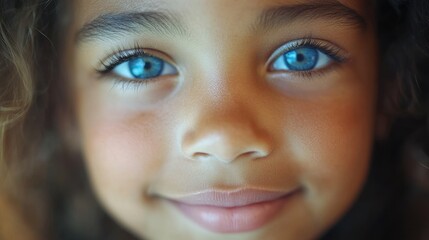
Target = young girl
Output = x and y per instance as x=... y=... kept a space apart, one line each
x=199 y=119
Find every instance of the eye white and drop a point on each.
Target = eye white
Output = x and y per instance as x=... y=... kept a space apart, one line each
x=123 y=70
x=323 y=60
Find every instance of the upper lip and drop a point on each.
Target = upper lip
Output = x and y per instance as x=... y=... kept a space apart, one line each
x=235 y=198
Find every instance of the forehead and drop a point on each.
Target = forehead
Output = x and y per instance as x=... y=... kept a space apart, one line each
x=100 y=5
x=189 y=16
x=87 y=10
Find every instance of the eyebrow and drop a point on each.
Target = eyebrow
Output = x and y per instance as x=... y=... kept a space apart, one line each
x=113 y=24
x=332 y=10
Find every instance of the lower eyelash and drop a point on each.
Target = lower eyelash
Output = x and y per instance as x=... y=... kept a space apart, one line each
x=318 y=73
x=127 y=85
x=337 y=54
x=121 y=56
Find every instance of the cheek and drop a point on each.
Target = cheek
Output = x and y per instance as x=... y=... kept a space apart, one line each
x=123 y=153
x=332 y=142
x=333 y=130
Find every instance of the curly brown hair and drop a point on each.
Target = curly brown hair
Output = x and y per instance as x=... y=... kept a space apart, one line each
x=17 y=30
x=21 y=36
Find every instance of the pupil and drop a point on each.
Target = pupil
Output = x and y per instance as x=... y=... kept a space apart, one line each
x=301 y=59
x=148 y=66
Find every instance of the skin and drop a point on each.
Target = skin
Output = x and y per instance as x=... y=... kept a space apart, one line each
x=225 y=120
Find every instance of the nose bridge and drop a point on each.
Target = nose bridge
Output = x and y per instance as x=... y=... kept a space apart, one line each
x=226 y=130
x=223 y=124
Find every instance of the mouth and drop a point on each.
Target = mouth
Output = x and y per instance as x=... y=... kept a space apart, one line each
x=235 y=211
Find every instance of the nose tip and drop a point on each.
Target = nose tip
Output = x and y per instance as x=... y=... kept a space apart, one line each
x=227 y=145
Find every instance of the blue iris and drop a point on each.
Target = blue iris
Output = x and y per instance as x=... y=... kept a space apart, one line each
x=146 y=67
x=301 y=59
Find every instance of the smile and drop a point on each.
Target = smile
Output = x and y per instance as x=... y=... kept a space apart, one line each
x=232 y=212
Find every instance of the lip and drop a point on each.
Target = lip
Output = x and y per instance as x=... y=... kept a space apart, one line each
x=235 y=211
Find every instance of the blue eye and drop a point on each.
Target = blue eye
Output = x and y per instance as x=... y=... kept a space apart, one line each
x=302 y=59
x=144 y=67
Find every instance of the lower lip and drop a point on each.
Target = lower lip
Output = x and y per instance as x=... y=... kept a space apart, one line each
x=234 y=219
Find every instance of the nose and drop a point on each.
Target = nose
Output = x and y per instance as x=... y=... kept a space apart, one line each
x=226 y=137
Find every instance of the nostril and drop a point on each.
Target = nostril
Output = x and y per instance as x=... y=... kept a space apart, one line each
x=226 y=144
x=246 y=155
x=251 y=155
x=200 y=155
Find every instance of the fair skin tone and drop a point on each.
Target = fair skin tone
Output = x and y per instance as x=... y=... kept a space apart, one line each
x=228 y=114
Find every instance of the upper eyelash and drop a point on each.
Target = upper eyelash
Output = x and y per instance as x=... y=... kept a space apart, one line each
x=119 y=57
x=335 y=52
x=328 y=48
x=338 y=54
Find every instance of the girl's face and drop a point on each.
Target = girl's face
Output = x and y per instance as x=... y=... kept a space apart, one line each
x=219 y=119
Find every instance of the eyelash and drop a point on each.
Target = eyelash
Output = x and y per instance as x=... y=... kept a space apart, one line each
x=120 y=56
x=123 y=55
x=337 y=54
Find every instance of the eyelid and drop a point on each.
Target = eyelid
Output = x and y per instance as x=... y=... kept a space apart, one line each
x=120 y=56
x=332 y=50
x=110 y=64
